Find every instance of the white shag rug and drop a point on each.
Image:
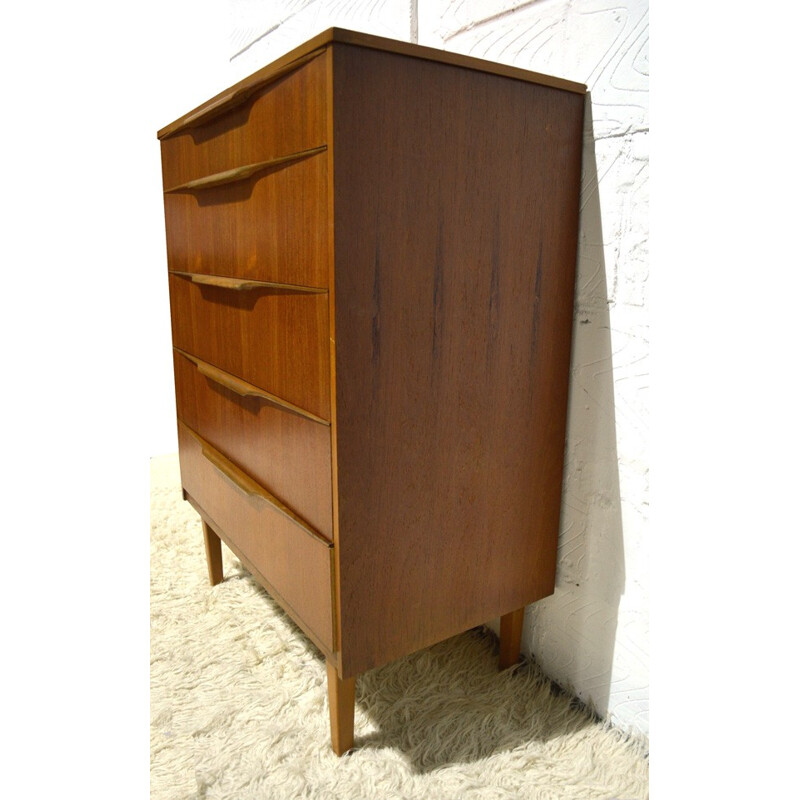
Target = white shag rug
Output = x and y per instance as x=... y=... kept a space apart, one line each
x=239 y=702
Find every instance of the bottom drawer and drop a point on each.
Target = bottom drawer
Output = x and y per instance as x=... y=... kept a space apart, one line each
x=294 y=564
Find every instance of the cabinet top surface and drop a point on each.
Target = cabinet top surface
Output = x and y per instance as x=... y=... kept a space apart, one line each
x=322 y=40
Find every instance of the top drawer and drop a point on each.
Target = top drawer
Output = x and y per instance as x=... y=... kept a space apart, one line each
x=284 y=116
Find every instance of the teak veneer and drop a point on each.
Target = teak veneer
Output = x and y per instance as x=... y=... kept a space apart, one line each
x=371 y=251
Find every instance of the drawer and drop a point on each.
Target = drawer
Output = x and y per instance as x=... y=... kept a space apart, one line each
x=295 y=565
x=270 y=226
x=274 y=339
x=287 y=454
x=281 y=116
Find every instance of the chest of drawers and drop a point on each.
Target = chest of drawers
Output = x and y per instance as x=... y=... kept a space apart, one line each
x=371 y=250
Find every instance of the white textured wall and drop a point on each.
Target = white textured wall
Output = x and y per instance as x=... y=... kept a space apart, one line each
x=592 y=634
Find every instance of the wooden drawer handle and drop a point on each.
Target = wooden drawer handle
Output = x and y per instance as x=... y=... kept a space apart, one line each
x=215 y=107
x=238 y=478
x=236 y=385
x=239 y=95
x=242 y=481
x=236 y=284
x=244 y=285
x=241 y=173
x=245 y=389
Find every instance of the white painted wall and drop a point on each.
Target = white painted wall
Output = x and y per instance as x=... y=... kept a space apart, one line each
x=592 y=634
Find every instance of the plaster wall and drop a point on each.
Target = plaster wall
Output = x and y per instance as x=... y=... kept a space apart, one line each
x=592 y=635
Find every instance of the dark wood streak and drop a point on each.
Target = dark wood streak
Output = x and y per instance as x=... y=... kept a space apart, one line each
x=494 y=290
x=535 y=311
x=438 y=290
x=376 y=306
x=449 y=445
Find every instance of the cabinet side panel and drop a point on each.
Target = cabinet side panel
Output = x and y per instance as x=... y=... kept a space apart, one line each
x=456 y=197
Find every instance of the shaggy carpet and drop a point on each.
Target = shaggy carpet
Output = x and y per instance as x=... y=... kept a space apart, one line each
x=239 y=704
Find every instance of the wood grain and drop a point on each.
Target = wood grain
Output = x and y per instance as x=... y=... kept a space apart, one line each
x=284 y=116
x=231 y=97
x=295 y=566
x=237 y=386
x=510 y=636
x=341 y=705
x=281 y=339
x=238 y=174
x=337 y=611
x=242 y=284
x=372 y=341
x=456 y=197
x=213 y=555
x=286 y=454
x=437 y=56
x=271 y=226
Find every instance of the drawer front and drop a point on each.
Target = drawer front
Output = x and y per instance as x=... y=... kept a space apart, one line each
x=288 y=455
x=295 y=565
x=271 y=226
x=278 y=341
x=282 y=117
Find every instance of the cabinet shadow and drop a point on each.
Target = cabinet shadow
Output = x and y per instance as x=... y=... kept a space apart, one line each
x=449 y=703
x=574 y=632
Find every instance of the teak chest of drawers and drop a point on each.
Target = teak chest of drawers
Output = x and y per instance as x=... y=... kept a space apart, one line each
x=371 y=252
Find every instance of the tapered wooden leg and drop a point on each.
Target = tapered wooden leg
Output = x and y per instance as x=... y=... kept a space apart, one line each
x=342 y=702
x=510 y=637
x=213 y=555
